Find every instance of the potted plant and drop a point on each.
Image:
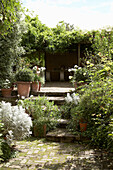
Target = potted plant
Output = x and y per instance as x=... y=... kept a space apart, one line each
x=83 y=120
x=40 y=127
x=40 y=81
x=80 y=75
x=44 y=114
x=24 y=77
x=34 y=85
x=6 y=88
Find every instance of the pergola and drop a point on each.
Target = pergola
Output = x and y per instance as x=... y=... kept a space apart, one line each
x=57 y=64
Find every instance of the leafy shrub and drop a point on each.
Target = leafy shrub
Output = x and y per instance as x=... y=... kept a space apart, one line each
x=25 y=74
x=16 y=122
x=71 y=101
x=79 y=74
x=42 y=111
x=96 y=104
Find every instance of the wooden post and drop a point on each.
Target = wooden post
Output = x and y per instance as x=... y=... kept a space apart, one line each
x=78 y=54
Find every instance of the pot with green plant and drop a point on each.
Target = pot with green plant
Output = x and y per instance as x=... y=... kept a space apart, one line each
x=34 y=85
x=80 y=75
x=83 y=122
x=43 y=112
x=6 y=88
x=40 y=127
x=40 y=81
x=84 y=110
x=24 y=78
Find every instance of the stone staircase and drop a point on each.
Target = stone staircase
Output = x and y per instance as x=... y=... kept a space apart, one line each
x=57 y=91
x=54 y=91
x=61 y=134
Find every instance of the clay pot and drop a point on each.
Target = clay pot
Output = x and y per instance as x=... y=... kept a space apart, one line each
x=83 y=126
x=38 y=133
x=6 y=92
x=75 y=85
x=34 y=86
x=39 y=86
x=23 y=88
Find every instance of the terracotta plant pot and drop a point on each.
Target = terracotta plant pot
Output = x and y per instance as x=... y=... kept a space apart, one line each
x=23 y=88
x=83 y=126
x=39 y=86
x=6 y=92
x=38 y=132
x=34 y=86
x=75 y=85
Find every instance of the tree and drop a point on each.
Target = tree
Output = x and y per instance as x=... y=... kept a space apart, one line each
x=35 y=37
x=10 y=49
x=8 y=14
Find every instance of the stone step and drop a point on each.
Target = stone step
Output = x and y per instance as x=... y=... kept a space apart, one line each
x=62 y=135
x=56 y=100
x=62 y=123
x=49 y=93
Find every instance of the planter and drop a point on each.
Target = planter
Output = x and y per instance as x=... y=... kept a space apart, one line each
x=23 y=88
x=83 y=126
x=40 y=132
x=39 y=86
x=6 y=92
x=34 y=86
x=75 y=85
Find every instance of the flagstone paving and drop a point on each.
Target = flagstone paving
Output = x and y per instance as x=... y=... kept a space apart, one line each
x=38 y=154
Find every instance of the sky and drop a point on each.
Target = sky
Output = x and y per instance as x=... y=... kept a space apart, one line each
x=85 y=14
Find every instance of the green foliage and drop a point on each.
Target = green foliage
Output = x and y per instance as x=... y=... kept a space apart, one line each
x=25 y=74
x=80 y=74
x=42 y=111
x=6 y=151
x=35 y=37
x=8 y=11
x=66 y=111
x=10 y=50
x=96 y=106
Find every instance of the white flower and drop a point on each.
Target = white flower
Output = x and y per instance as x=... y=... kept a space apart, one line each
x=35 y=68
x=23 y=97
x=68 y=99
x=76 y=98
x=75 y=66
x=31 y=96
x=70 y=77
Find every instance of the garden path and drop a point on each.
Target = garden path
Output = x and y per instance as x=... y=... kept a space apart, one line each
x=38 y=154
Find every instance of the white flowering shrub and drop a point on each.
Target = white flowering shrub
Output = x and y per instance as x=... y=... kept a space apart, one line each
x=16 y=122
x=73 y=98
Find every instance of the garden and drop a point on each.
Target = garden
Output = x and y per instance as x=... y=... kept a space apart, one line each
x=23 y=43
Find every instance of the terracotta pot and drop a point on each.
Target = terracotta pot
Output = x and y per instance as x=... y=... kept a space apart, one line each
x=23 y=88
x=41 y=133
x=75 y=85
x=6 y=92
x=82 y=83
x=34 y=86
x=83 y=126
x=39 y=86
